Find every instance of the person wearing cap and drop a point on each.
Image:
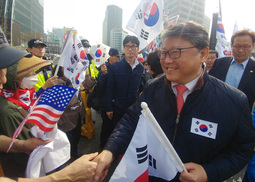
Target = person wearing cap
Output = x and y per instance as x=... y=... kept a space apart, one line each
x=37 y=48
x=93 y=71
x=16 y=98
x=81 y=169
x=107 y=125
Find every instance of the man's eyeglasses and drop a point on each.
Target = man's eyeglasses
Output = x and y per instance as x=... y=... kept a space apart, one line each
x=174 y=53
x=133 y=47
x=245 y=47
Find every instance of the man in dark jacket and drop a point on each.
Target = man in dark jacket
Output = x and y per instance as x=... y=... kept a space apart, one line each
x=214 y=154
x=124 y=81
x=107 y=125
x=238 y=71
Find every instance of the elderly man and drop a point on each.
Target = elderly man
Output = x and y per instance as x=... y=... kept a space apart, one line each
x=239 y=70
x=213 y=156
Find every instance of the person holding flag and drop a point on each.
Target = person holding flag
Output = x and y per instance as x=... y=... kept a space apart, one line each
x=16 y=98
x=93 y=71
x=81 y=169
x=190 y=107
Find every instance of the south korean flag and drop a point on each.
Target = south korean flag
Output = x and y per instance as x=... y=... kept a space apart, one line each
x=147 y=21
x=204 y=128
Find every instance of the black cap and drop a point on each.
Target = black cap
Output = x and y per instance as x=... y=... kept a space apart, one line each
x=35 y=42
x=85 y=43
x=8 y=55
x=114 y=52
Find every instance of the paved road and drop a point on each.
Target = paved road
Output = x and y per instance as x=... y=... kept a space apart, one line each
x=87 y=146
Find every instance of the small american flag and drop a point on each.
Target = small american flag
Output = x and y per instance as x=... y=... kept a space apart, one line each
x=48 y=108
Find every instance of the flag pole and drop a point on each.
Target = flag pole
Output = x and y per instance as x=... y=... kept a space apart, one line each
x=152 y=122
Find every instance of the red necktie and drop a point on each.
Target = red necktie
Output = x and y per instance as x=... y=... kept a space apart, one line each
x=180 y=90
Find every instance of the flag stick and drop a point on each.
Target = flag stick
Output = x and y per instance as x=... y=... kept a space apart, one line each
x=152 y=122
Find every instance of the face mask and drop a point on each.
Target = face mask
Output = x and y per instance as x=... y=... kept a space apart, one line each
x=28 y=82
x=86 y=50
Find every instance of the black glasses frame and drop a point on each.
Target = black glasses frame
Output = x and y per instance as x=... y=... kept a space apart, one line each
x=173 y=53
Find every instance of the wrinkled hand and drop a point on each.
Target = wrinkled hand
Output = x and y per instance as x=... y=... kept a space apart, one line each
x=50 y=82
x=110 y=114
x=82 y=169
x=104 y=69
x=103 y=160
x=27 y=146
x=196 y=173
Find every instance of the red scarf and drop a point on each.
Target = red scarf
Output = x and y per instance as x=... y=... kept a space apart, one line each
x=23 y=98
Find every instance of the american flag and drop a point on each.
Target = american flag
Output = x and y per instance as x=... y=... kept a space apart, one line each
x=50 y=107
x=47 y=109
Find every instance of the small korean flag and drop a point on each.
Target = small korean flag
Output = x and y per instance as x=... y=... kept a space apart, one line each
x=204 y=128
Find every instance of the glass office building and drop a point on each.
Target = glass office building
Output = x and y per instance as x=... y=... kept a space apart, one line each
x=188 y=10
x=112 y=27
x=21 y=20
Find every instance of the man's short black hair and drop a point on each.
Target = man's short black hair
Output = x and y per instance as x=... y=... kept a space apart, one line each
x=130 y=38
x=214 y=51
x=154 y=62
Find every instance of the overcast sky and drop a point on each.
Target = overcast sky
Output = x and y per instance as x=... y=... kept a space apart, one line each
x=87 y=16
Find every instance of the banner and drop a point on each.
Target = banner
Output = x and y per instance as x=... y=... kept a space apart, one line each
x=149 y=154
x=147 y=21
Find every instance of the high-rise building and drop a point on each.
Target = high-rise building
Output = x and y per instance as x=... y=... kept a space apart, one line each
x=188 y=10
x=112 y=27
x=21 y=20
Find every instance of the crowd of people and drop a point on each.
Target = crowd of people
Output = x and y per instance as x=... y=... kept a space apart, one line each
x=183 y=83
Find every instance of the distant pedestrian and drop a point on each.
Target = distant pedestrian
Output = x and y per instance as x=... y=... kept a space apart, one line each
x=213 y=55
x=37 y=48
x=146 y=74
x=93 y=72
x=154 y=65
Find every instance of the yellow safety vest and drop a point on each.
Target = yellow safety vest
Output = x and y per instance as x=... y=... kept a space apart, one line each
x=93 y=69
x=41 y=81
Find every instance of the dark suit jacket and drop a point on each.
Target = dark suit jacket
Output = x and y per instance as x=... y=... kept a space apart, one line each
x=247 y=82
